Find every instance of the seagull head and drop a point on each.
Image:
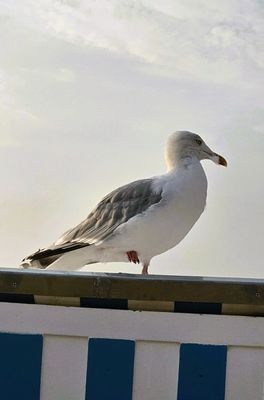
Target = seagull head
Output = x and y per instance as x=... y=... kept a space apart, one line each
x=182 y=147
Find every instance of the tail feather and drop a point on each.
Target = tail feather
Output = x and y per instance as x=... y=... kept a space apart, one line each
x=43 y=258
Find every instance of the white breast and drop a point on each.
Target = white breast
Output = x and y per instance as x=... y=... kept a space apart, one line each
x=164 y=225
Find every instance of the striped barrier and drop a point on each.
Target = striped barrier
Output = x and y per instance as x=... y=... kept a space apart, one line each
x=97 y=354
x=139 y=305
x=202 y=295
x=110 y=371
x=115 y=342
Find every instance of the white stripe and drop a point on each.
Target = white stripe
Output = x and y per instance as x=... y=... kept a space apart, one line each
x=155 y=371
x=135 y=325
x=58 y=300
x=151 y=305
x=245 y=373
x=64 y=365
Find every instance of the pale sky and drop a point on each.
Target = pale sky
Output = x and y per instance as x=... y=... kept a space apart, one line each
x=89 y=92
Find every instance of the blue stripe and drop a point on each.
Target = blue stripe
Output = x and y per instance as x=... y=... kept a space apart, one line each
x=17 y=298
x=116 y=304
x=197 y=307
x=20 y=366
x=202 y=372
x=110 y=369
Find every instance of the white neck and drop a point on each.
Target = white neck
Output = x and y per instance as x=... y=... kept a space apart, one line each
x=175 y=161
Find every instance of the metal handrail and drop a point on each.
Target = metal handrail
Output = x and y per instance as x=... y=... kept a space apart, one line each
x=132 y=286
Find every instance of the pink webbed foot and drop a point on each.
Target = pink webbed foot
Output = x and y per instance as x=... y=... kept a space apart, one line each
x=133 y=256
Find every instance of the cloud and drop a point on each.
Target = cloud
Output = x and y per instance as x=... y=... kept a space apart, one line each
x=220 y=42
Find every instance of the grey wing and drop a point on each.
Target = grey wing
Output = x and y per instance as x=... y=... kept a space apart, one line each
x=115 y=209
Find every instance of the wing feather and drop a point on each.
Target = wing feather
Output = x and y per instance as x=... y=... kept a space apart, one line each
x=113 y=210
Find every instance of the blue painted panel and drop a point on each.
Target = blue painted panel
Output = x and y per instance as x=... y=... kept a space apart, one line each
x=110 y=369
x=202 y=372
x=20 y=366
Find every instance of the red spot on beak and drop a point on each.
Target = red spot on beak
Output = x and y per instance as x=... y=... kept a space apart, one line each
x=216 y=158
x=222 y=161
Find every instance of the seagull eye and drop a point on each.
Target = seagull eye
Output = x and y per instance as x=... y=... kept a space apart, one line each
x=199 y=141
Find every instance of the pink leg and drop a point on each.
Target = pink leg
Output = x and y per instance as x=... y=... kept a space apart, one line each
x=145 y=269
x=133 y=256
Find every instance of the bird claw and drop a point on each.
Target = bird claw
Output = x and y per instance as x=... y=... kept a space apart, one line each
x=133 y=256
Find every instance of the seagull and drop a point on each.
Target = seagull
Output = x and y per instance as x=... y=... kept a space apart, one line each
x=142 y=219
